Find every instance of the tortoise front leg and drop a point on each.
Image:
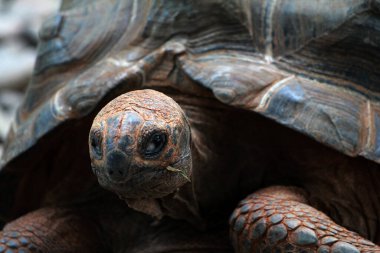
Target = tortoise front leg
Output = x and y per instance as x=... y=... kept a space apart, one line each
x=278 y=219
x=50 y=230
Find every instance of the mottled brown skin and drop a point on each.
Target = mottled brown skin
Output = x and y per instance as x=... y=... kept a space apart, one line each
x=235 y=153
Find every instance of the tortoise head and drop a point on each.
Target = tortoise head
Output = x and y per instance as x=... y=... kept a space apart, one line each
x=140 y=145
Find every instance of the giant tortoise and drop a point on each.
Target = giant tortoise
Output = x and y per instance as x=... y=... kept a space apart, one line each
x=186 y=97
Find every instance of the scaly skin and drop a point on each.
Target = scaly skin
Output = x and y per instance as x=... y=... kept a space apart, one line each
x=50 y=230
x=278 y=219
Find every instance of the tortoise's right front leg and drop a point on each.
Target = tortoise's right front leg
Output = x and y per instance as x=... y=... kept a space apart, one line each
x=278 y=219
x=50 y=230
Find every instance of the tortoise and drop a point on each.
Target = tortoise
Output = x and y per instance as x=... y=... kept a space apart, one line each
x=185 y=99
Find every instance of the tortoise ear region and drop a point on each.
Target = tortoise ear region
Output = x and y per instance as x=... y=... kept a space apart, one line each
x=117 y=165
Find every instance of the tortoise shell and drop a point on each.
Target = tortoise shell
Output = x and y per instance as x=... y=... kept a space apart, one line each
x=310 y=65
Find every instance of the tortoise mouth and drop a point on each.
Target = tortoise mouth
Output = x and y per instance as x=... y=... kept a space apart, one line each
x=147 y=182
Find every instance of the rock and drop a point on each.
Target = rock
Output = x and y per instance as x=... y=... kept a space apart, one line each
x=16 y=65
x=10 y=26
x=9 y=102
x=21 y=16
x=20 y=21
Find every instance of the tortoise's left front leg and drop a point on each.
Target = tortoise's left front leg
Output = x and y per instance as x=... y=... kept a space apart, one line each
x=278 y=219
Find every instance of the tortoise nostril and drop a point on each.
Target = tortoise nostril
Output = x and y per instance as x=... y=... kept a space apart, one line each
x=117 y=165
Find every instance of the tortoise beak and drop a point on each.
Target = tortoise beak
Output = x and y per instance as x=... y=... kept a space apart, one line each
x=117 y=166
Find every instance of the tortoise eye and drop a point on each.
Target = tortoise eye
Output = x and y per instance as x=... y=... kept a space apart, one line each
x=96 y=144
x=155 y=144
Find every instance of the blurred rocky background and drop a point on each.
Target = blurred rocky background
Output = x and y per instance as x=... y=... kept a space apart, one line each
x=19 y=24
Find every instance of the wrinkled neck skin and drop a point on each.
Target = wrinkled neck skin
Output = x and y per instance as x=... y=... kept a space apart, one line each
x=180 y=204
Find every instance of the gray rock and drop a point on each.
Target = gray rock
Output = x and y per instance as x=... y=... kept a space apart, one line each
x=16 y=65
x=9 y=102
x=26 y=15
x=19 y=18
x=10 y=26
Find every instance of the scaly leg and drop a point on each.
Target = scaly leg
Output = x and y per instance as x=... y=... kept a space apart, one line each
x=50 y=230
x=277 y=219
